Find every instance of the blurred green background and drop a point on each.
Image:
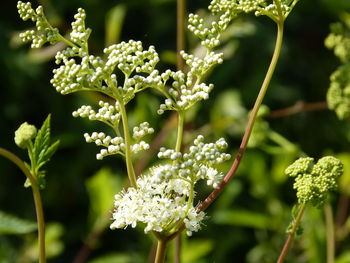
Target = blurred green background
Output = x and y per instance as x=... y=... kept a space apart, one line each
x=248 y=222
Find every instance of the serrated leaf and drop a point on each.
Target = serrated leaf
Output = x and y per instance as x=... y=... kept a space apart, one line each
x=48 y=153
x=10 y=224
x=42 y=140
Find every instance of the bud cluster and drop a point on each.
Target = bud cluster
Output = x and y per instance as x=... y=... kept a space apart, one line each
x=272 y=8
x=112 y=146
x=313 y=182
x=195 y=164
x=44 y=31
x=338 y=95
x=107 y=113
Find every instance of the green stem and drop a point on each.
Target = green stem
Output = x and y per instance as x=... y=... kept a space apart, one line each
x=180 y=45
x=180 y=129
x=215 y=193
x=180 y=32
x=291 y=235
x=281 y=141
x=329 y=233
x=127 y=139
x=37 y=200
x=161 y=248
x=180 y=126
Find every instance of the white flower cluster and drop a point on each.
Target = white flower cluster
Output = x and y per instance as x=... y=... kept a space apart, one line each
x=159 y=205
x=209 y=36
x=258 y=7
x=80 y=34
x=93 y=73
x=184 y=93
x=142 y=130
x=197 y=163
x=130 y=58
x=72 y=77
x=43 y=33
x=163 y=199
x=187 y=88
x=114 y=145
x=107 y=113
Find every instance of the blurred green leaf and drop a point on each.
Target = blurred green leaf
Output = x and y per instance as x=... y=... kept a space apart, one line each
x=112 y=258
x=228 y=112
x=343 y=258
x=114 y=24
x=313 y=239
x=168 y=56
x=196 y=249
x=344 y=180
x=53 y=233
x=10 y=224
x=279 y=164
x=245 y=218
x=101 y=188
x=54 y=246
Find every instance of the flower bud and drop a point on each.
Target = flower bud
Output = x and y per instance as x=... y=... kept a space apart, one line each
x=24 y=134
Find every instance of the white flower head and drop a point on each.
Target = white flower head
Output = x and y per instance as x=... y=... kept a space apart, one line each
x=160 y=204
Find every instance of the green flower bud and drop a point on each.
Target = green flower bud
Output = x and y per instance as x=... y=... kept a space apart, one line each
x=313 y=182
x=24 y=134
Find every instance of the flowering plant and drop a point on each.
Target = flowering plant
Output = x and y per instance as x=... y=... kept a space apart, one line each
x=163 y=198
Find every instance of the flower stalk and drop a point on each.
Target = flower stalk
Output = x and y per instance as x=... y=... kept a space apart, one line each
x=161 y=250
x=128 y=154
x=215 y=193
x=37 y=200
x=291 y=235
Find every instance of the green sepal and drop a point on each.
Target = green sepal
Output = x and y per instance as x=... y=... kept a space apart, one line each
x=27 y=182
x=41 y=180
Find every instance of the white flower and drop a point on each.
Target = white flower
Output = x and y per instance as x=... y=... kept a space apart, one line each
x=158 y=204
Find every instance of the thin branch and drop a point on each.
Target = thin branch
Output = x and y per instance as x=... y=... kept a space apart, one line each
x=299 y=107
x=215 y=193
x=291 y=235
x=37 y=200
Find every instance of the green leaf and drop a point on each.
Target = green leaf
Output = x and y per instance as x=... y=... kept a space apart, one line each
x=10 y=224
x=53 y=242
x=343 y=258
x=48 y=153
x=42 y=150
x=245 y=218
x=101 y=189
x=114 y=24
x=42 y=141
x=112 y=258
x=196 y=249
x=344 y=180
